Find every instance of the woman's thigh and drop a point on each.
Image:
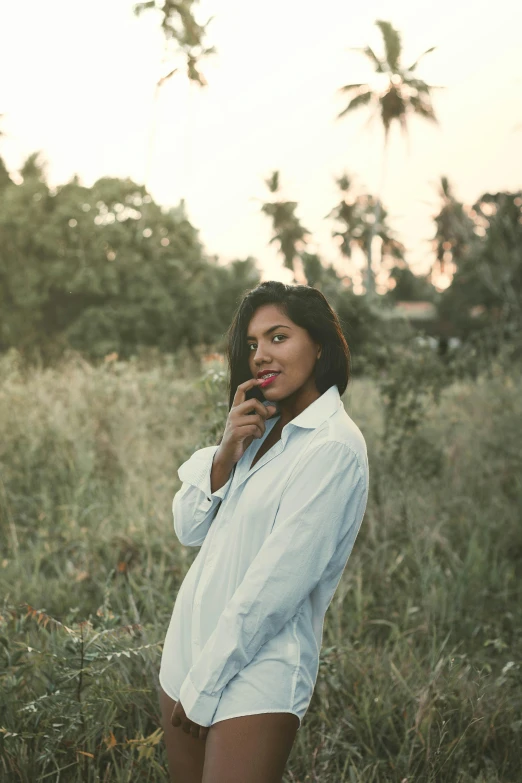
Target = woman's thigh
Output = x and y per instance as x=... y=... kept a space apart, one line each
x=185 y=753
x=251 y=748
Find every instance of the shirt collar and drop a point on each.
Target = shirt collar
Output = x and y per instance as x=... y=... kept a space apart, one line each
x=319 y=410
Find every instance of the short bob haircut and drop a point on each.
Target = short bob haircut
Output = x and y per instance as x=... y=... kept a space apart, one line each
x=305 y=306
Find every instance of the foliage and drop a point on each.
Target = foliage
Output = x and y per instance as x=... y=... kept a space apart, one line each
x=183 y=34
x=454 y=233
x=410 y=380
x=360 y=224
x=485 y=295
x=65 y=689
x=363 y=327
x=287 y=228
x=404 y=93
x=105 y=269
x=410 y=287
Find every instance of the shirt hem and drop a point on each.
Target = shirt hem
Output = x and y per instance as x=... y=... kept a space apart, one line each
x=175 y=697
x=168 y=691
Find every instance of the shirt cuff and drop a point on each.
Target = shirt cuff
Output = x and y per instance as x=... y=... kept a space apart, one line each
x=197 y=471
x=200 y=707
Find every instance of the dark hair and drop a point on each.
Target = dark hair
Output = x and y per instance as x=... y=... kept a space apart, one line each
x=305 y=306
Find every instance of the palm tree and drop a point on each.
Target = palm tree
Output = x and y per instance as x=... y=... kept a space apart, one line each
x=454 y=229
x=403 y=94
x=287 y=227
x=357 y=215
x=181 y=29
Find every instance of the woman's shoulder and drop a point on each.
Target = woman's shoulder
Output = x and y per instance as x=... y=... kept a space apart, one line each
x=341 y=434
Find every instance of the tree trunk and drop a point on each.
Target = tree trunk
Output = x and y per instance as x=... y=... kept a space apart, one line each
x=370 y=277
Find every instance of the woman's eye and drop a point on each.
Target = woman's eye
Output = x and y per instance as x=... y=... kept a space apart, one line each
x=275 y=335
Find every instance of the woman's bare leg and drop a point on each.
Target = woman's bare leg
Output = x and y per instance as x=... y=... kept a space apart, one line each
x=249 y=749
x=185 y=753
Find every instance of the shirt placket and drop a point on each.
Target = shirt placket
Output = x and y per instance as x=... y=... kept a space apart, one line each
x=208 y=569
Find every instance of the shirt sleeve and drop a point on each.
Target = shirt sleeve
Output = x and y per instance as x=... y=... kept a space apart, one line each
x=194 y=505
x=319 y=516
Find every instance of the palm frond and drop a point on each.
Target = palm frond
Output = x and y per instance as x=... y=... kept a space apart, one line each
x=164 y=78
x=404 y=127
x=272 y=182
x=419 y=85
x=139 y=8
x=423 y=108
x=422 y=87
x=445 y=187
x=417 y=61
x=348 y=87
x=380 y=67
x=375 y=115
x=360 y=100
x=392 y=44
x=344 y=182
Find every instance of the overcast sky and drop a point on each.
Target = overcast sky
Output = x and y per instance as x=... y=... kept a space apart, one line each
x=78 y=84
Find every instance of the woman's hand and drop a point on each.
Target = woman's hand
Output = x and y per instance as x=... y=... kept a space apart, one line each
x=180 y=718
x=242 y=425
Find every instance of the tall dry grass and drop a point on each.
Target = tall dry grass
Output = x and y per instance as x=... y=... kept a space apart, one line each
x=420 y=673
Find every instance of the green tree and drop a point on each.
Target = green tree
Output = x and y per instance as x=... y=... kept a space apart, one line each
x=322 y=276
x=410 y=287
x=485 y=294
x=287 y=228
x=454 y=234
x=402 y=95
x=356 y=213
x=105 y=269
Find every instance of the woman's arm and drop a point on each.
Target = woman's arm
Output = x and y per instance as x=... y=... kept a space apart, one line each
x=195 y=504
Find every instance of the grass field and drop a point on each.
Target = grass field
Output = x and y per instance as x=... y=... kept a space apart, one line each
x=420 y=675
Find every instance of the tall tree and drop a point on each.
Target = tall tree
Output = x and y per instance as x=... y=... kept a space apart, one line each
x=183 y=38
x=402 y=95
x=486 y=289
x=356 y=213
x=499 y=264
x=454 y=232
x=287 y=228
x=105 y=268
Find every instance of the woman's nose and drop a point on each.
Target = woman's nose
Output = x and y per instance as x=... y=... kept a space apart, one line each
x=260 y=355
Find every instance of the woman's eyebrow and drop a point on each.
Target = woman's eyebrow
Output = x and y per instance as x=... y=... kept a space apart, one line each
x=277 y=326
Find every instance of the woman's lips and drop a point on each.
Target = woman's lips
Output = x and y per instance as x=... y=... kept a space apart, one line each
x=269 y=380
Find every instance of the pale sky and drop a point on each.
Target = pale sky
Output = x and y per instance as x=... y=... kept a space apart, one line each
x=78 y=84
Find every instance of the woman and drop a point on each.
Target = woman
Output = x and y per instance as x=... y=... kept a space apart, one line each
x=276 y=507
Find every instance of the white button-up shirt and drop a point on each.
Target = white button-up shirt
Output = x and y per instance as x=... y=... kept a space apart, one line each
x=247 y=624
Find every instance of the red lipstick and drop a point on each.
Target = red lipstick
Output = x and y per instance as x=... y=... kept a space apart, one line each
x=269 y=380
